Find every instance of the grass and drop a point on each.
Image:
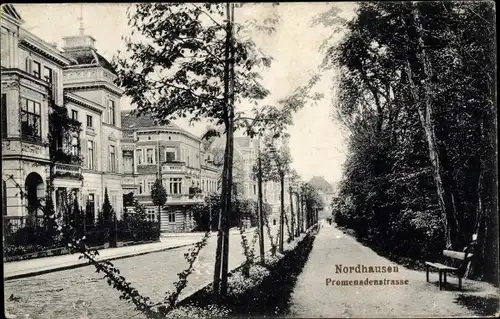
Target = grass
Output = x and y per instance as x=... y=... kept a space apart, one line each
x=482 y=306
x=270 y=296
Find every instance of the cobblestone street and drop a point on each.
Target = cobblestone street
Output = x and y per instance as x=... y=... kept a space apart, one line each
x=81 y=293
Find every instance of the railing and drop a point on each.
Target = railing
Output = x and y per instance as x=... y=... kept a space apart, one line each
x=175 y=198
x=174 y=167
x=68 y=171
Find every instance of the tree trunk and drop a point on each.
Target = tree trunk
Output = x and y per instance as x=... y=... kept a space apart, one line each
x=261 y=210
x=226 y=183
x=297 y=202
x=282 y=211
x=291 y=211
x=230 y=145
x=425 y=111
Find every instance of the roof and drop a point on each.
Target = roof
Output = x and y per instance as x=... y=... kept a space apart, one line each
x=11 y=11
x=132 y=121
x=321 y=184
x=90 y=56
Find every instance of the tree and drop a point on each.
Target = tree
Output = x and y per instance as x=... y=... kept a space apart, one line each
x=293 y=178
x=416 y=81
x=107 y=220
x=158 y=196
x=193 y=63
x=276 y=163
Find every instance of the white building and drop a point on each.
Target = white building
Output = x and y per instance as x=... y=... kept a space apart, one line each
x=36 y=79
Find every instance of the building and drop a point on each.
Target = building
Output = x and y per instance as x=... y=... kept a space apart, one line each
x=100 y=152
x=325 y=189
x=246 y=150
x=179 y=158
x=36 y=75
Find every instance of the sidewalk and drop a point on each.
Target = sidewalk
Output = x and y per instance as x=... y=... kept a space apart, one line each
x=32 y=267
x=38 y=266
x=313 y=298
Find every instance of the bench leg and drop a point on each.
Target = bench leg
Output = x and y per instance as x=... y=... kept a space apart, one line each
x=427 y=272
x=460 y=283
x=440 y=278
x=444 y=279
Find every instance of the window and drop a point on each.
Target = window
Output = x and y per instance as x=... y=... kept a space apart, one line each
x=149 y=186
x=75 y=151
x=36 y=69
x=90 y=154
x=139 y=156
x=140 y=187
x=175 y=185
x=149 y=156
x=4 y=115
x=112 y=159
x=74 y=115
x=170 y=155
x=171 y=217
x=47 y=74
x=30 y=118
x=151 y=215
x=90 y=121
x=111 y=112
x=128 y=162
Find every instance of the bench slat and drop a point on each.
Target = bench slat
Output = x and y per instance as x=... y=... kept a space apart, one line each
x=441 y=266
x=456 y=254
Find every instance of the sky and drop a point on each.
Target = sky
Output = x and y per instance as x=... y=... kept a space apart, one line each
x=317 y=145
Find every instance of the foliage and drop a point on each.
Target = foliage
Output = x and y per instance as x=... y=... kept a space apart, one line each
x=111 y=273
x=415 y=91
x=189 y=41
x=158 y=193
x=248 y=250
x=242 y=209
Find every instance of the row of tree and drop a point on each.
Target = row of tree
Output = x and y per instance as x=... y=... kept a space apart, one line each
x=196 y=60
x=416 y=93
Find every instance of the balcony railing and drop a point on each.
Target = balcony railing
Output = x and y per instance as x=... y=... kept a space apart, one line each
x=173 y=167
x=60 y=156
x=175 y=198
x=68 y=171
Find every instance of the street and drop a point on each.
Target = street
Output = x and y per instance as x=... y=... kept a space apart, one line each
x=331 y=248
x=81 y=292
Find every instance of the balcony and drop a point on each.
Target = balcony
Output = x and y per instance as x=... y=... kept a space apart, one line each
x=175 y=199
x=69 y=171
x=174 y=167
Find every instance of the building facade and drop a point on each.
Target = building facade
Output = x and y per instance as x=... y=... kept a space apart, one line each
x=177 y=157
x=103 y=153
x=36 y=78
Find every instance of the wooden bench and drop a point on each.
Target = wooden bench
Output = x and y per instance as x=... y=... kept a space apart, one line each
x=464 y=257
